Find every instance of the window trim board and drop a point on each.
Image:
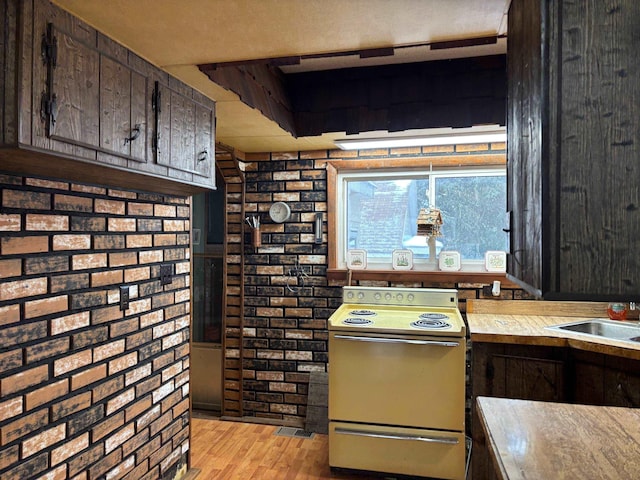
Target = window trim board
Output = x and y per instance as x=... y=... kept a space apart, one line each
x=334 y=167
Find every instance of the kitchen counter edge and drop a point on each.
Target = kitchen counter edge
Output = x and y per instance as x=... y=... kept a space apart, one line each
x=529 y=329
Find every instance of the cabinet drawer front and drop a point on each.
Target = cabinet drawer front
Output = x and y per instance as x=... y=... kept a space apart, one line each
x=409 y=451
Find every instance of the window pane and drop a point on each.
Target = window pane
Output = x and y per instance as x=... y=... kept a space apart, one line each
x=208 y=295
x=473 y=214
x=382 y=214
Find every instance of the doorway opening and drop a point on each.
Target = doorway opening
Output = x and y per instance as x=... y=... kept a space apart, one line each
x=208 y=224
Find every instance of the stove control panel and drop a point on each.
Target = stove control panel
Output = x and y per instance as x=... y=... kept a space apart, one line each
x=435 y=297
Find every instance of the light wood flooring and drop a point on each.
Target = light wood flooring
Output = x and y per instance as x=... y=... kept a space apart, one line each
x=235 y=450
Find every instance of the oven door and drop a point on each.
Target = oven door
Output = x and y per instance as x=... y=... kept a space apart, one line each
x=413 y=380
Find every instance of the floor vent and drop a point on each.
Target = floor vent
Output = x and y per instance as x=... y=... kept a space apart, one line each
x=293 y=432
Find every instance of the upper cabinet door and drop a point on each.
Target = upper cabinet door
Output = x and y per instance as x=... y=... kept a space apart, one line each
x=183 y=134
x=205 y=150
x=92 y=100
x=73 y=101
x=123 y=122
x=573 y=149
x=186 y=137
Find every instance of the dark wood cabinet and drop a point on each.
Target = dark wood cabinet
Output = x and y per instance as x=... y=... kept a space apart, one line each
x=605 y=380
x=89 y=98
x=528 y=377
x=526 y=372
x=519 y=371
x=573 y=123
x=124 y=95
x=185 y=128
x=93 y=104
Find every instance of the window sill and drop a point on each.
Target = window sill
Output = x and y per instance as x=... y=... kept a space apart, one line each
x=341 y=276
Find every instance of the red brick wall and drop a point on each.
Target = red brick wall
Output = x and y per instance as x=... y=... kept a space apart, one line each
x=88 y=391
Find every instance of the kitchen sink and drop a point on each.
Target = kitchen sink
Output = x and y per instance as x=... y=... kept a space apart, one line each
x=599 y=327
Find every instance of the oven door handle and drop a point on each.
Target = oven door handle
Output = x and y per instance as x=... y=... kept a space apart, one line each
x=398 y=436
x=399 y=340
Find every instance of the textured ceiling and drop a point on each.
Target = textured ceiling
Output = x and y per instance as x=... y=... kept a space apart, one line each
x=178 y=35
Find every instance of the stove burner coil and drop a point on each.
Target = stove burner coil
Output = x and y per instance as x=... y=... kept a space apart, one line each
x=357 y=321
x=433 y=316
x=426 y=323
x=363 y=313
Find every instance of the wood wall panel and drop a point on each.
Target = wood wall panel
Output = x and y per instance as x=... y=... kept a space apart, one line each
x=446 y=93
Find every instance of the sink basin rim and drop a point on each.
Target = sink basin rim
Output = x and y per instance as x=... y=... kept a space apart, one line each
x=601 y=328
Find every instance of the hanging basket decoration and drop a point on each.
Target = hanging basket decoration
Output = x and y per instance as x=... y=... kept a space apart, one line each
x=429 y=222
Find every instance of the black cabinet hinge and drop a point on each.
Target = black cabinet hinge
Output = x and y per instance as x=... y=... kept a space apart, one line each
x=156 y=99
x=49 y=47
x=48 y=101
x=48 y=108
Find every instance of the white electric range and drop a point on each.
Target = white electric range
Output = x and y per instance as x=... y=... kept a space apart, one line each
x=397 y=382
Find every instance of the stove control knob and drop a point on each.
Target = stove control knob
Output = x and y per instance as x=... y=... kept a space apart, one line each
x=410 y=297
x=360 y=295
x=399 y=297
x=377 y=296
x=387 y=296
x=350 y=295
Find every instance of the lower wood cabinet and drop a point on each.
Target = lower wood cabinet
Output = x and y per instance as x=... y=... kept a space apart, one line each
x=553 y=374
x=533 y=373
x=606 y=380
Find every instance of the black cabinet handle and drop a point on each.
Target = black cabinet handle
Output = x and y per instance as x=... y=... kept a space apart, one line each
x=135 y=133
x=54 y=109
x=202 y=156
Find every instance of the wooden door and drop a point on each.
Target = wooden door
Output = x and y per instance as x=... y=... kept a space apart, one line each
x=524 y=132
x=123 y=119
x=204 y=154
x=74 y=79
x=183 y=141
x=185 y=127
x=95 y=101
x=622 y=382
x=572 y=159
x=528 y=378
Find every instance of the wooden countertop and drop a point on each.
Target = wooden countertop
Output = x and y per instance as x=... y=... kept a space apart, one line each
x=545 y=440
x=497 y=322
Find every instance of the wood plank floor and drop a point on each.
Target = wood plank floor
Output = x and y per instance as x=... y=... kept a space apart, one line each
x=235 y=450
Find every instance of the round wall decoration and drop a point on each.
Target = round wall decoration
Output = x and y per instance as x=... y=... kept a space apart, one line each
x=280 y=212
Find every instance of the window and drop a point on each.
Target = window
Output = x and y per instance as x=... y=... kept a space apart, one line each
x=377 y=211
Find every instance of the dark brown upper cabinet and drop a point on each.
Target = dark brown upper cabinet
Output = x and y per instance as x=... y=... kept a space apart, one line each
x=573 y=123
x=185 y=125
x=91 y=99
x=85 y=108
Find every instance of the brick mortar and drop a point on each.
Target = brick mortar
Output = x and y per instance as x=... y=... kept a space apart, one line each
x=85 y=349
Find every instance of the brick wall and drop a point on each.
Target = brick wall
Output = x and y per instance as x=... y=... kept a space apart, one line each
x=87 y=390
x=285 y=322
x=284 y=334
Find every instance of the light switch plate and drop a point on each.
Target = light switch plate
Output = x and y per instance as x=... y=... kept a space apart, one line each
x=124 y=297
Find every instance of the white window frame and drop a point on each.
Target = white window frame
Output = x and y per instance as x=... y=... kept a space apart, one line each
x=425 y=264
